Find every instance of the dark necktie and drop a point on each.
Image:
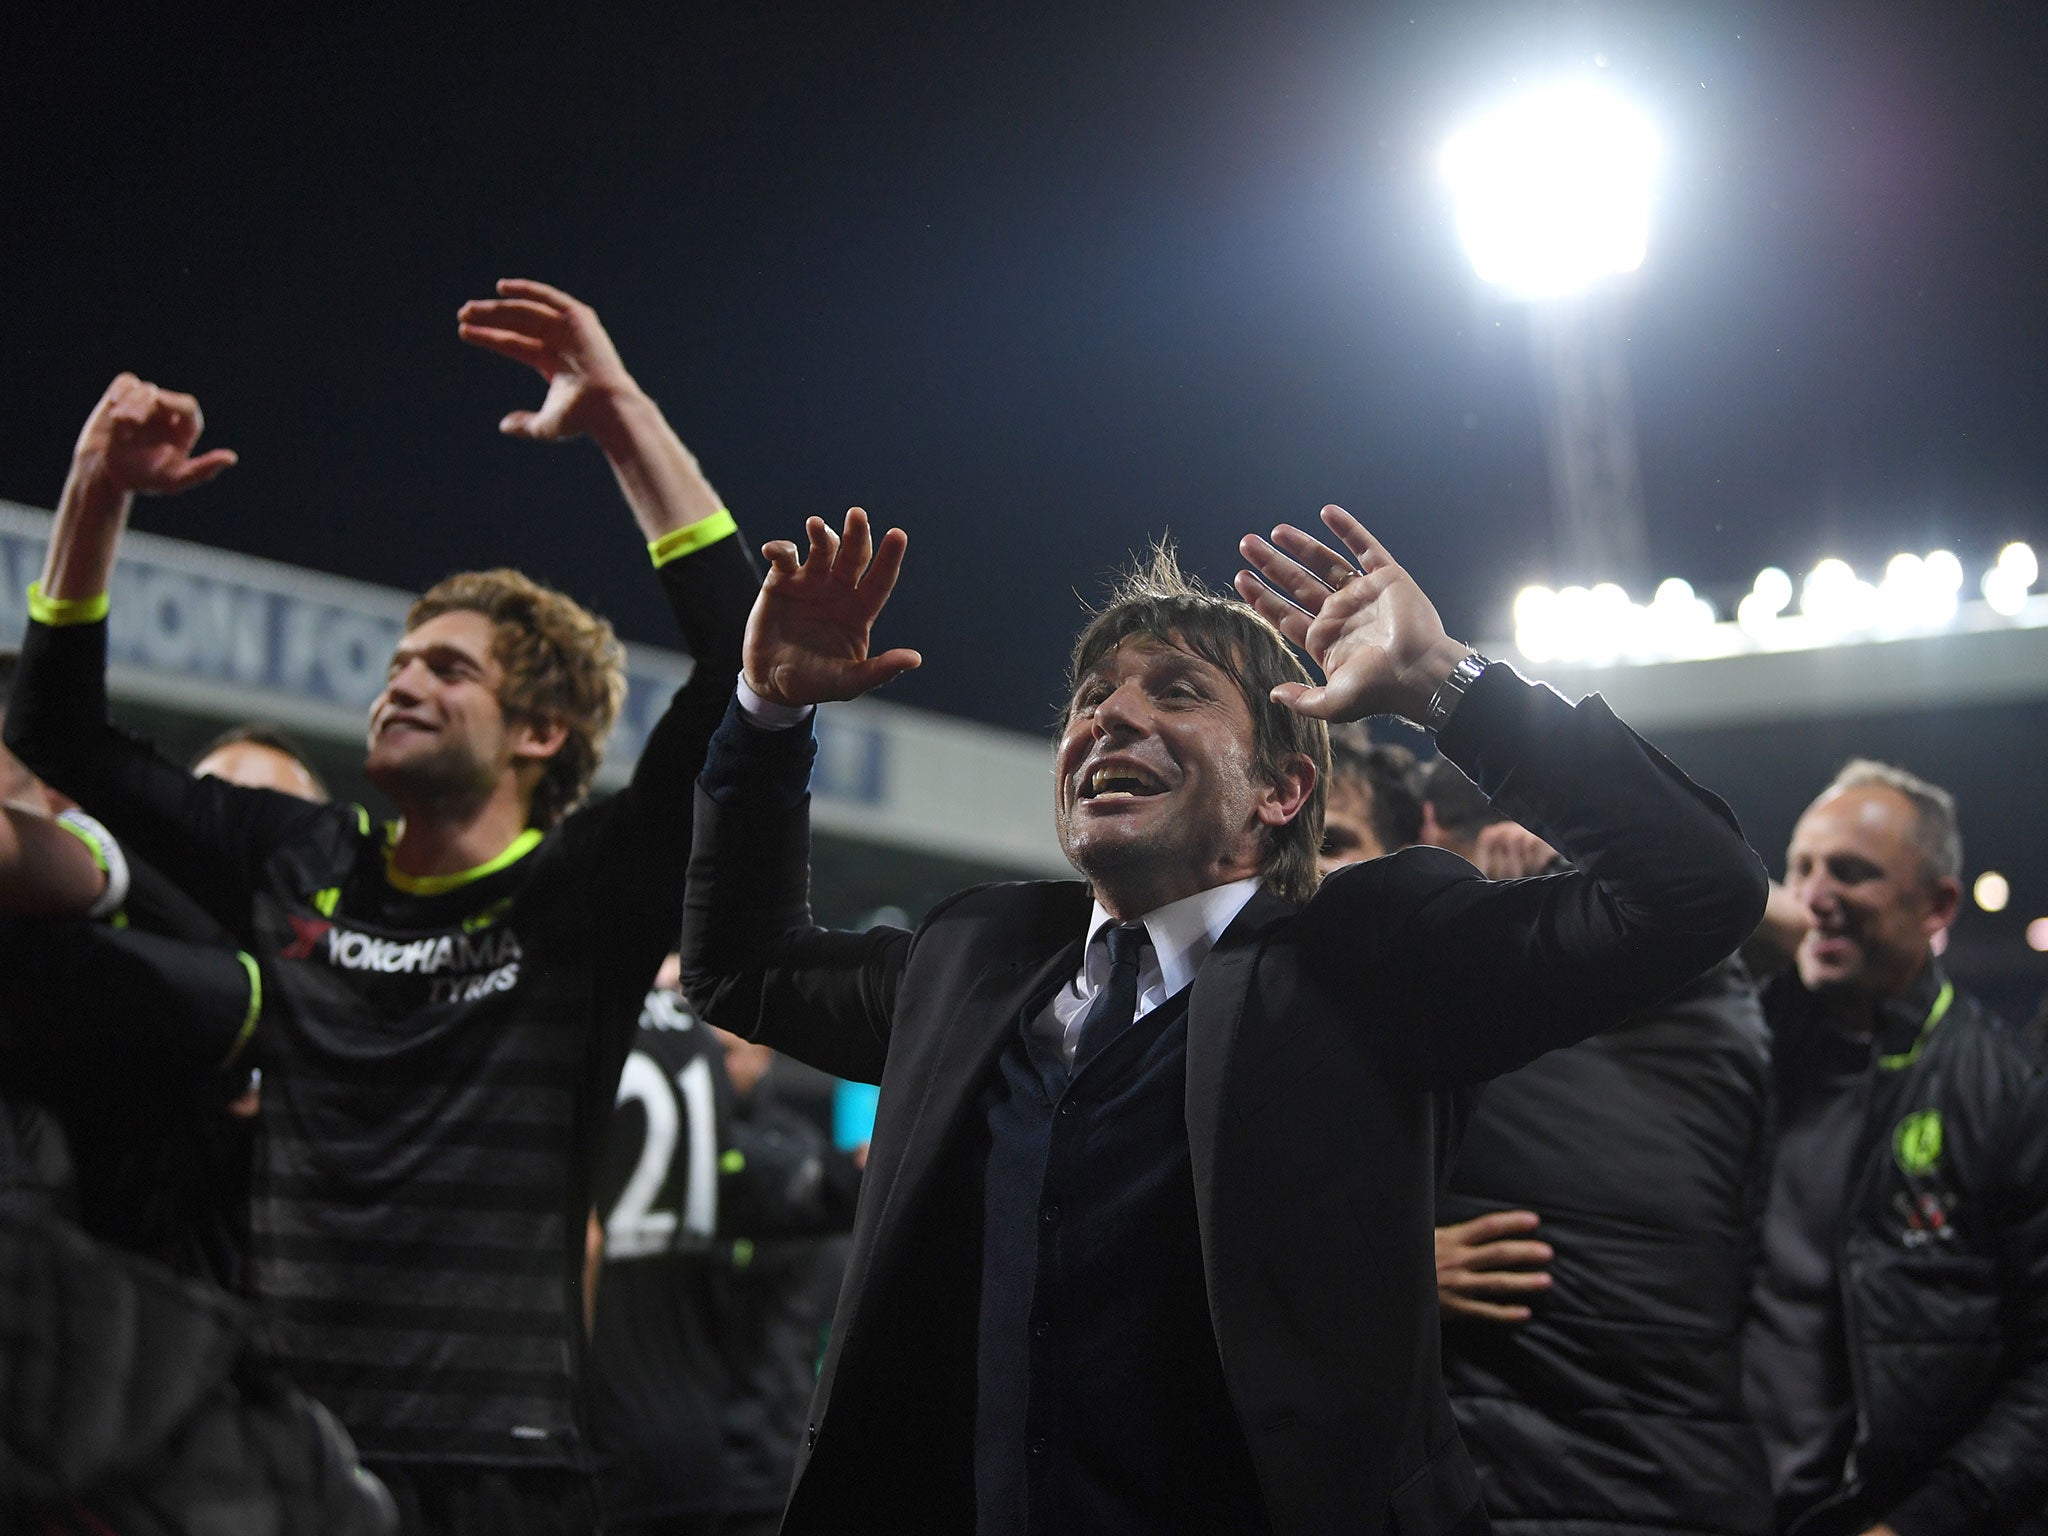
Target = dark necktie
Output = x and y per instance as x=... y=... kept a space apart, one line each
x=1116 y=1005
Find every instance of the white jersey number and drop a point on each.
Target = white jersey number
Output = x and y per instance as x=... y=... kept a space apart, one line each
x=637 y=1227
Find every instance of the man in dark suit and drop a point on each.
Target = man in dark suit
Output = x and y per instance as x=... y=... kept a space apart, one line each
x=1145 y=1239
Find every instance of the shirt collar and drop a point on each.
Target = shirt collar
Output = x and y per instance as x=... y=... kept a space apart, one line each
x=1183 y=932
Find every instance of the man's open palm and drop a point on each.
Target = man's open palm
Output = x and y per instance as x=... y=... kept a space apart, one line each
x=557 y=336
x=140 y=437
x=807 y=638
x=1360 y=617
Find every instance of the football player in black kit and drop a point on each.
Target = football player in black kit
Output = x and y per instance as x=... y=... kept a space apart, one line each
x=707 y=1211
x=453 y=994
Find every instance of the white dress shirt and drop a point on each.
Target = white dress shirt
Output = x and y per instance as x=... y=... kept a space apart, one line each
x=1178 y=937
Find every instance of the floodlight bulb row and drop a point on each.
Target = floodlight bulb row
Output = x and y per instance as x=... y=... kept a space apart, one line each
x=1917 y=594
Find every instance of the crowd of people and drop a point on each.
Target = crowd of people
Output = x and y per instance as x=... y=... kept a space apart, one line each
x=1359 y=1144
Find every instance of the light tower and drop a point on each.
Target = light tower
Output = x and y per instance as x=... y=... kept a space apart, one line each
x=1553 y=193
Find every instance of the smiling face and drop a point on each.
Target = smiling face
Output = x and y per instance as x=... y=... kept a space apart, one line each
x=438 y=733
x=1157 y=795
x=1856 y=866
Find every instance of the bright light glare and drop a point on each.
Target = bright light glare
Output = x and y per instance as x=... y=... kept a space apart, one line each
x=1773 y=589
x=1916 y=593
x=1992 y=891
x=1835 y=598
x=2004 y=591
x=1581 y=624
x=2037 y=934
x=1553 y=190
x=1919 y=595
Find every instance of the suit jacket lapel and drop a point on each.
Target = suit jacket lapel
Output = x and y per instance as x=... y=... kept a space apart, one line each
x=1215 y=1010
x=987 y=1016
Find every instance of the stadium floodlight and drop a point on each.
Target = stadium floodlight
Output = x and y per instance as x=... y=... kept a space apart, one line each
x=1835 y=598
x=1944 y=570
x=1769 y=595
x=2019 y=559
x=1992 y=891
x=1553 y=189
x=1916 y=594
x=1919 y=595
x=1536 y=623
x=2005 y=584
x=2005 y=591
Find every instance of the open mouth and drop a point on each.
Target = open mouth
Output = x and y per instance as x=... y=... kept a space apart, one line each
x=1112 y=782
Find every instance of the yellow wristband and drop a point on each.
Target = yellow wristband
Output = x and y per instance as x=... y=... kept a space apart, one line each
x=59 y=611
x=687 y=541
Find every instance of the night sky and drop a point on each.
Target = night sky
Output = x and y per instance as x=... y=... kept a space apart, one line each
x=1034 y=283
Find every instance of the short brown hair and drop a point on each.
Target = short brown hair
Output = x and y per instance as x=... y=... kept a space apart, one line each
x=562 y=663
x=1156 y=600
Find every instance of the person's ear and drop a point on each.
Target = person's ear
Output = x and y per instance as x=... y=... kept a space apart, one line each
x=1283 y=799
x=1942 y=901
x=535 y=740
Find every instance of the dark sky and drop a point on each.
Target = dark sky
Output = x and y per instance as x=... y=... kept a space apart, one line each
x=1033 y=282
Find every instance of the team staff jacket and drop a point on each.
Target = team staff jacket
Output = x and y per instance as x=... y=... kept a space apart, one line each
x=438 y=1061
x=1315 y=1038
x=1617 y=1407
x=1943 y=1266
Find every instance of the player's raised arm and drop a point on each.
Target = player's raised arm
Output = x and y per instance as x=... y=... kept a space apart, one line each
x=591 y=394
x=137 y=441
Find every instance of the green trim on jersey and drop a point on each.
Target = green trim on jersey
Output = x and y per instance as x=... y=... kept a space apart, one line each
x=438 y=885
x=251 y=1014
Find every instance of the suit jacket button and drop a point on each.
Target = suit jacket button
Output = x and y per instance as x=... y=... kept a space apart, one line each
x=810 y=1436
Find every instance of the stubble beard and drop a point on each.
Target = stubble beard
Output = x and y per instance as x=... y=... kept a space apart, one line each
x=449 y=778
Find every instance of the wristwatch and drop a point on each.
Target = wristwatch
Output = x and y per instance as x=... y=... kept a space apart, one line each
x=1451 y=691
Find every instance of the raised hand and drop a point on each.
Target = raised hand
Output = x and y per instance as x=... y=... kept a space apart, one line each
x=560 y=338
x=1479 y=1258
x=807 y=638
x=139 y=438
x=1360 y=617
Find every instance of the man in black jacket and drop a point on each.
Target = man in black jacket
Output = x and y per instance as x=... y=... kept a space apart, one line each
x=1897 y=1356
x=1144 y=1239
x=1597 y=1237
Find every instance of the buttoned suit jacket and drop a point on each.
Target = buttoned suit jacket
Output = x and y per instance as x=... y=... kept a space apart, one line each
x=1321 y=1042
